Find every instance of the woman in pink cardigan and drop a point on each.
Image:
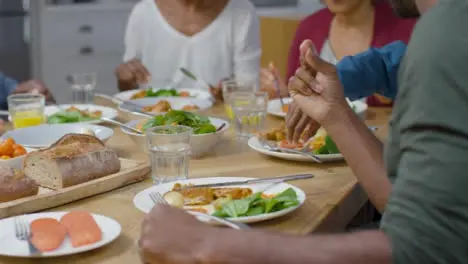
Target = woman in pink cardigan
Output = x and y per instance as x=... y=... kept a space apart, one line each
x=344 y=28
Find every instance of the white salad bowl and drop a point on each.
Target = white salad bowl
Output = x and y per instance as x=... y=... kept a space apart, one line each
x=43 y=136
x=201 y=144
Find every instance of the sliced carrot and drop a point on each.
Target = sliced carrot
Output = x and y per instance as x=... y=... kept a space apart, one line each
x=82 y=228
x=47 y=234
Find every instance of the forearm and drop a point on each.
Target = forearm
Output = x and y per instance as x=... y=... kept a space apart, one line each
x=363 y=153
x=230 y=247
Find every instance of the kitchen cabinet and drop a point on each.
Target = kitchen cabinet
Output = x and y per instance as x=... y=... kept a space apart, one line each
x=81 y=38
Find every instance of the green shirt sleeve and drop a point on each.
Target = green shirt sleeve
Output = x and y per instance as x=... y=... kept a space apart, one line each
x=426 y=218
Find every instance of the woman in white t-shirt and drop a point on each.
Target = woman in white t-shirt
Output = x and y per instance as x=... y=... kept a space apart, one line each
x=214 y=39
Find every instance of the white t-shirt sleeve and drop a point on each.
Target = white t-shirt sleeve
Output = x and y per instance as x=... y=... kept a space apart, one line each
x=133 y=34
x=247 y=49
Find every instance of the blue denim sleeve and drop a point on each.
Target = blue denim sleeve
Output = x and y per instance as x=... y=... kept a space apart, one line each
x=373 y=71
x=7 y=85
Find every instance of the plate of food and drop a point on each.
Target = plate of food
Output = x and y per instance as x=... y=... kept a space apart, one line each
x=321 y=145
x=154 y=106
x=207 y=131
x=243 y=203
x=58 y=234
x=78 y=113
x=43 y=136
x=275 y=108
x=154 y=93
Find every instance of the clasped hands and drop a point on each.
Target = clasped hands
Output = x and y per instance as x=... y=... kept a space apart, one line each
x=318 y=96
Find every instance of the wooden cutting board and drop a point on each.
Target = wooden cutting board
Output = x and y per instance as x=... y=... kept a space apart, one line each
x=131 y=171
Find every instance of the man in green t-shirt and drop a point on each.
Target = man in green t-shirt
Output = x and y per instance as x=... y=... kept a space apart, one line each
x=421 y=186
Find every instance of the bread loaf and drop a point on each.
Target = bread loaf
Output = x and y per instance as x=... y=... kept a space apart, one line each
x=14 y=185
x=72 y=160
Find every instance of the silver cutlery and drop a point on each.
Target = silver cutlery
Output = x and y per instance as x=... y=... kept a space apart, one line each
x=158 y=199
x=23 y=233
x=272 y=146
x=193 y=77
x=114 y=122
x=255 y=181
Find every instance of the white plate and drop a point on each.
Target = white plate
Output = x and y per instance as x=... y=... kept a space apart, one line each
x=45 y=135
x=143 y=202
x=196 y=93
x=106 y=111
x=254 y=143
x=12 y=247
x=16 y=163
x=274 y=107
x=177 y=103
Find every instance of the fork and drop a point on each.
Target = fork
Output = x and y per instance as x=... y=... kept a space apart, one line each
x=271 y=146
x=23 y=233
x=158 y=199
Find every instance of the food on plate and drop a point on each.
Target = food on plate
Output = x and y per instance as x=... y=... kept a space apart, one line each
x=205 y=196
x=164 y=106
x=160 y=107
x=229 y=202
x=15 y=185
x=257 y=204
x=74 y=115
x=285 y=108
x=320 y=144
x=81 y=228
x=72 y=160
x=9 y=149
x=47 y=234
x=175 y=199
x=150 y=92
x=199 y=124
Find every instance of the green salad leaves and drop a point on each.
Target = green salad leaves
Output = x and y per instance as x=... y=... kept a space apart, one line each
x=199 y=124
x=257 y=205
x=64 y=117
x=162 y=92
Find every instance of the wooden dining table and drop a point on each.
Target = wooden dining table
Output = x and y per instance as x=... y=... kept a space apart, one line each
x=333 y=196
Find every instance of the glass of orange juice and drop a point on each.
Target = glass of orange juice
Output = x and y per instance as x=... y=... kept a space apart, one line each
x=26 y=109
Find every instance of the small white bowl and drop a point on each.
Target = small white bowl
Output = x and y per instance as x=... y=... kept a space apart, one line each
x=43 y=136
x=201 y=144
x=15 y=163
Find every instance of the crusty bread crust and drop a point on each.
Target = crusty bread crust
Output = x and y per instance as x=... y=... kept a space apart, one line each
x=15 y=185
x=72 y=160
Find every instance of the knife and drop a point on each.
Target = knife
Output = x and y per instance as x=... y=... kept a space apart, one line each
x=256 y=181
x=193 y=77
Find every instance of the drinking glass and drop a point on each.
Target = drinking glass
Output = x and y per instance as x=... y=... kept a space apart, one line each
x=169 y=150
x=26 y=109
x=82 y=86
x=229 y=87
x=250 y=110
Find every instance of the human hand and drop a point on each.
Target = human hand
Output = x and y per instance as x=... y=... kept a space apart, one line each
x=316 y=88
x=217 y=92
x=171 y=236
x=299 y=125
x=268 y=77
x=35 y=86
x=133 y=73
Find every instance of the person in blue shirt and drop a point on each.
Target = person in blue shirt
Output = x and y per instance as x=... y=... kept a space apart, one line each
x=373 y=71
x=10 y=86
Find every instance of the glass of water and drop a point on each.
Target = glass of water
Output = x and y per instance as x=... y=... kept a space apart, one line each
x=231 y=86
x=82 y=86
x=250 y=110
x=169 y=152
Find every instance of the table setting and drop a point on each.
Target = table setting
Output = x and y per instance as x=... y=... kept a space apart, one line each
x=110 y=160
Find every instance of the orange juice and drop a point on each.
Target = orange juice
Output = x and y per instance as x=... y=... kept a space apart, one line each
x=27 y=119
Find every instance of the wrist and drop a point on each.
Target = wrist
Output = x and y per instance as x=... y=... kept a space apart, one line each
x=338 y=116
